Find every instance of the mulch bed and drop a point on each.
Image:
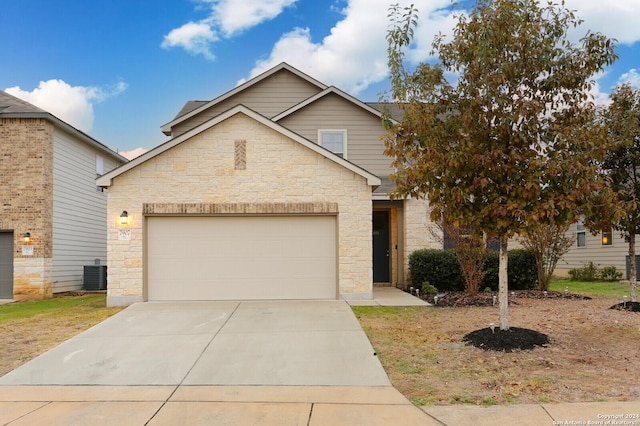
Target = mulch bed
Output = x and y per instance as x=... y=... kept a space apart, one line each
x=515 y=338
x=627 y=306
x=459 y=298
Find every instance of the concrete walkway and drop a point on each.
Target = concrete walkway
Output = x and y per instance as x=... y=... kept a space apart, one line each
x=239 y=363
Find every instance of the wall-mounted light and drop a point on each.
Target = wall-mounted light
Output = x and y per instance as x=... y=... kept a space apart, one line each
x=27 y=237
x=124 y=217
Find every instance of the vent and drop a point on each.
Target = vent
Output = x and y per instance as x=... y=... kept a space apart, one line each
x=95 y=277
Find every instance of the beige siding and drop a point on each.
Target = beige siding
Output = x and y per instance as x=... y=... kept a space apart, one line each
x=79 y=211
x=594 y=252
x=268 y=97
x=364 y=130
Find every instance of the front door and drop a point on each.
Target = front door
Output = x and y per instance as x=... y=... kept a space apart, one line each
x=381 y=246
x=6 y=265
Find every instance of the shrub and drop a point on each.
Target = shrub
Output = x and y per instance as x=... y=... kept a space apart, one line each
x=610 y=273
x=523 y=270
x=428 y=288
x=589 y=272
x=440 y=268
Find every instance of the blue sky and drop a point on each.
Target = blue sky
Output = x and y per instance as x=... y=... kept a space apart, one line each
x=119 y=69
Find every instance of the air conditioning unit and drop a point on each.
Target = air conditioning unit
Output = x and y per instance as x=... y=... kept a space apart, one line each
x=95 y=277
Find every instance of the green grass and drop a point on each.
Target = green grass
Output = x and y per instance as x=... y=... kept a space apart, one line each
x=609 y=289
x=50 y=307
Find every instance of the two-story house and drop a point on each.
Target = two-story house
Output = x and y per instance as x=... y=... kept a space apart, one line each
x=52 y=214
x=277 y=189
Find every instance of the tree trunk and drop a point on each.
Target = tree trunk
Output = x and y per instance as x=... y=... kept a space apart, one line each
x=503 y=285
x=632 y=266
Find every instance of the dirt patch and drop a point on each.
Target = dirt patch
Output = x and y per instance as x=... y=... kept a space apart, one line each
x=592 y=354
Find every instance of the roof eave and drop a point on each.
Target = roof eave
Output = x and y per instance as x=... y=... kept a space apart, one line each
x=69 y=129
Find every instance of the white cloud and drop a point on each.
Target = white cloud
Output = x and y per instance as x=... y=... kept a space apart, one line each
x=614 y=18
x=233 y=16
x=354 y=54
x=631 y=77
x=130 y=155
x=226 y=17
x=71 y=104
x=193 y=37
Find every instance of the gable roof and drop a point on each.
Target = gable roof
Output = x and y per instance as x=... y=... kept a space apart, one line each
x=320 y=95
x=13 y=107
x=195 y=107
x=106 y=179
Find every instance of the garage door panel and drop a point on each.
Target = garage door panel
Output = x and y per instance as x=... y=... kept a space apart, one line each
x=231 y=258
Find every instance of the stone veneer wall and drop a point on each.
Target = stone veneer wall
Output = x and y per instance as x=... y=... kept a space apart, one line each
x=202 y=172
x=26 y=184
x=418 y=229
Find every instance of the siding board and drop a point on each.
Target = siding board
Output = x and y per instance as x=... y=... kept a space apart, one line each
x=595 y=252
x=364 y=130
x=268 y=97
x=79 y=211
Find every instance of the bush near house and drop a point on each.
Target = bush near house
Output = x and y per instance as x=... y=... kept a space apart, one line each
x=591 y=272
x=441 y=269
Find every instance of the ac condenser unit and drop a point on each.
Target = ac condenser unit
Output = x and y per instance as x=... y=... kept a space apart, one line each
x=95 y=277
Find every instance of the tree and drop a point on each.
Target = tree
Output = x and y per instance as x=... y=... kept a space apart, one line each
x=511 y=142
x=548 y=242
x=618 y=205
x=471 y=253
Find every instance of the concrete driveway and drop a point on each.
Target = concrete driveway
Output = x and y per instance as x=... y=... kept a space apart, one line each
x=306 y=343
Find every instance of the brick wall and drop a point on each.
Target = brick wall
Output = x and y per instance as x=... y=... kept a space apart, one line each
x=202 y=173
x=26 y=183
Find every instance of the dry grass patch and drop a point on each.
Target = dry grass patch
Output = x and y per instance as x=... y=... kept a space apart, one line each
x=28 y=329
x=593 y=354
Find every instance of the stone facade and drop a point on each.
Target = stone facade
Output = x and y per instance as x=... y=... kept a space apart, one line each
x=420 y=231
x=26 y=183
x=201 y=176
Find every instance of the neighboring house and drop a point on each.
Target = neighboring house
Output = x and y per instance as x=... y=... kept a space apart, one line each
x=603 y=249
x=48 y=193
x=277 y=189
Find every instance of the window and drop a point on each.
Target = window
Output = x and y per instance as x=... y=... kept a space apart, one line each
x=334 y=140
x=581 y=233
x=99 y=165
x=607 y=237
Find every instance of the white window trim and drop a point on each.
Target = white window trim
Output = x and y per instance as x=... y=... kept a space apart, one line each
x=344 y=138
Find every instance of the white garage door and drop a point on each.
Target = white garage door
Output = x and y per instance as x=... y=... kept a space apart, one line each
x=241 y=258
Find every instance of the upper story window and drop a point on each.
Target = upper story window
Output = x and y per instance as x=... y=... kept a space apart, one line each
x=334 y=140
x=99 y=165
x=581 y=233
x=607 y=237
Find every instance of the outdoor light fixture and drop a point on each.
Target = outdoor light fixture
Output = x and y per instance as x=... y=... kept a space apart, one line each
x=124 y=217
x=27 y=237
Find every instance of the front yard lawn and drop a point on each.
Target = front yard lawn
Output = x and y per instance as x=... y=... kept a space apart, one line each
x=592 y=355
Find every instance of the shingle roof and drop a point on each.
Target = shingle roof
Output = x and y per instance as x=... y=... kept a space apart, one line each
x=188 y=107
x=9 y=104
